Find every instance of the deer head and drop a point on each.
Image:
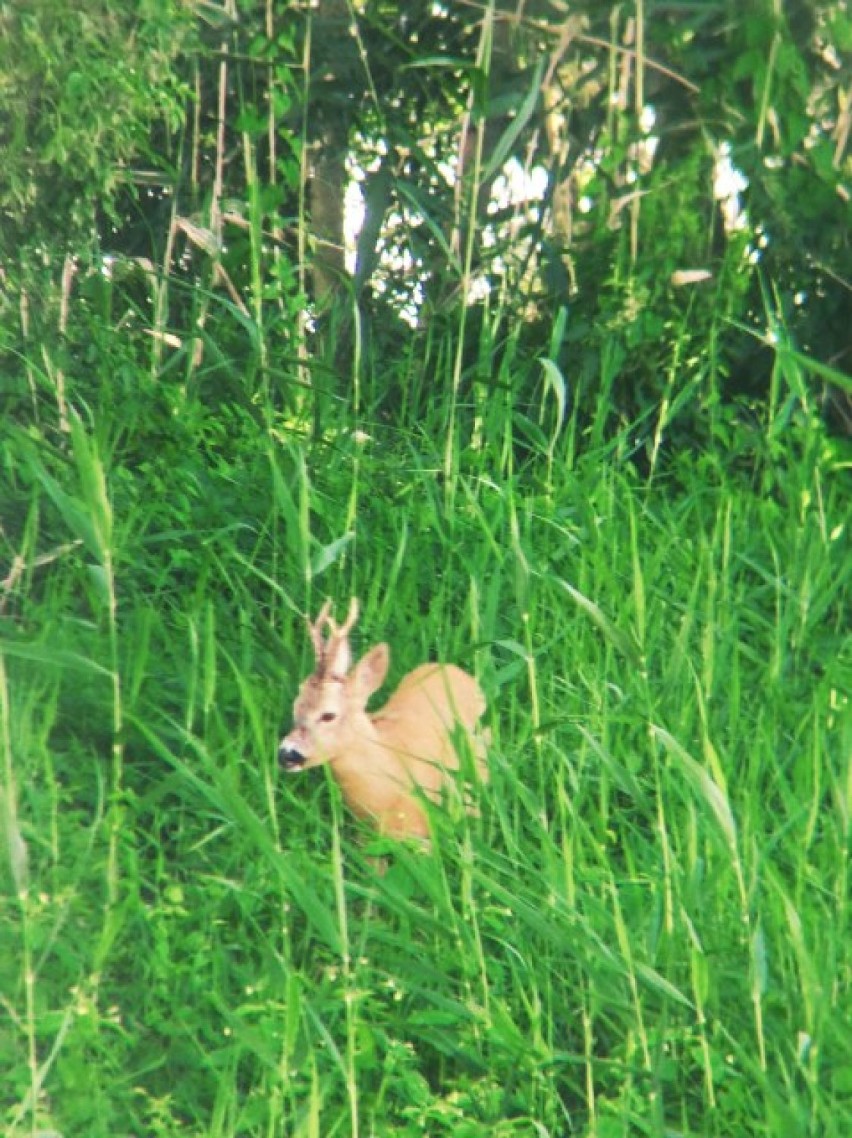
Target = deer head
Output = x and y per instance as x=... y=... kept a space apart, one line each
x=329 y=713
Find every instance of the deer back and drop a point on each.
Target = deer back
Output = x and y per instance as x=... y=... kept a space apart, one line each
x=433 y=712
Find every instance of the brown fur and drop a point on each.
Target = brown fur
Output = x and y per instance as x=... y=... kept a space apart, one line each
x=382 y=761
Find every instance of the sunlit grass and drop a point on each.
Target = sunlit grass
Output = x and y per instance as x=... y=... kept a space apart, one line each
x=644 y=931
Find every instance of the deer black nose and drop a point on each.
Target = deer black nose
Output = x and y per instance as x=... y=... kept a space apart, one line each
x=290 y=759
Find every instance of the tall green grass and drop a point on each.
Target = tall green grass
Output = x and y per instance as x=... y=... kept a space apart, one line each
x=645 y=930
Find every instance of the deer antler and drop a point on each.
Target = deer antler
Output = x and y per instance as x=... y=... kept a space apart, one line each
x=333 y=655
x=315 y=630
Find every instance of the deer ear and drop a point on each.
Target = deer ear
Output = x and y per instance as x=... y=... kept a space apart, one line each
x=370 y=671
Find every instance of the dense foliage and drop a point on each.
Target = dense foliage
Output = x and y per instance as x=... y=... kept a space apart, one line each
x=619 y=183
x=587 y=439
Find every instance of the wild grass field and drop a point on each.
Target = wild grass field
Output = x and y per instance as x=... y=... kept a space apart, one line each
x=645 y=931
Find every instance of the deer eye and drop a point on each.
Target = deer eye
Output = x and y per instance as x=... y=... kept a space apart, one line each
x=328 y=716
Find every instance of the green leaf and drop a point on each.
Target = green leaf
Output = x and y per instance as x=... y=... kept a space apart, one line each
x=707 y=789
x=619 y=640
x=327 y=554
x=507 y=142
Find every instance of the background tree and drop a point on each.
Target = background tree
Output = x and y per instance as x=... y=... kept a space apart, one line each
x=225 y=151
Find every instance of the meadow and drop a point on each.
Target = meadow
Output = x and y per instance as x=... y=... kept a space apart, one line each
x=645 y=931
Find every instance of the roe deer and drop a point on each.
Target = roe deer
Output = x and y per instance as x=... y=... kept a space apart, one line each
x=381 y=759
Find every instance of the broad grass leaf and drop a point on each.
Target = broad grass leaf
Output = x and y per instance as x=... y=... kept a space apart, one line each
x=327 y=554
x=70 y=508
x=619 y=640
x=703 y=784
x=621 y=776
x=653 y=978
x=505 y=146
x=554 y=381
x=50 y=656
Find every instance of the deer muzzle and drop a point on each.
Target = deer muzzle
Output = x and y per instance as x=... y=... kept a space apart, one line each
x=290 y=759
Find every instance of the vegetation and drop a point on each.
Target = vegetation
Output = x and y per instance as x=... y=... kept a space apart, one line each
x=625 y=507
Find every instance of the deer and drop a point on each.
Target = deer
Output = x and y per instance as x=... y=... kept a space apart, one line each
x=387 y=763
